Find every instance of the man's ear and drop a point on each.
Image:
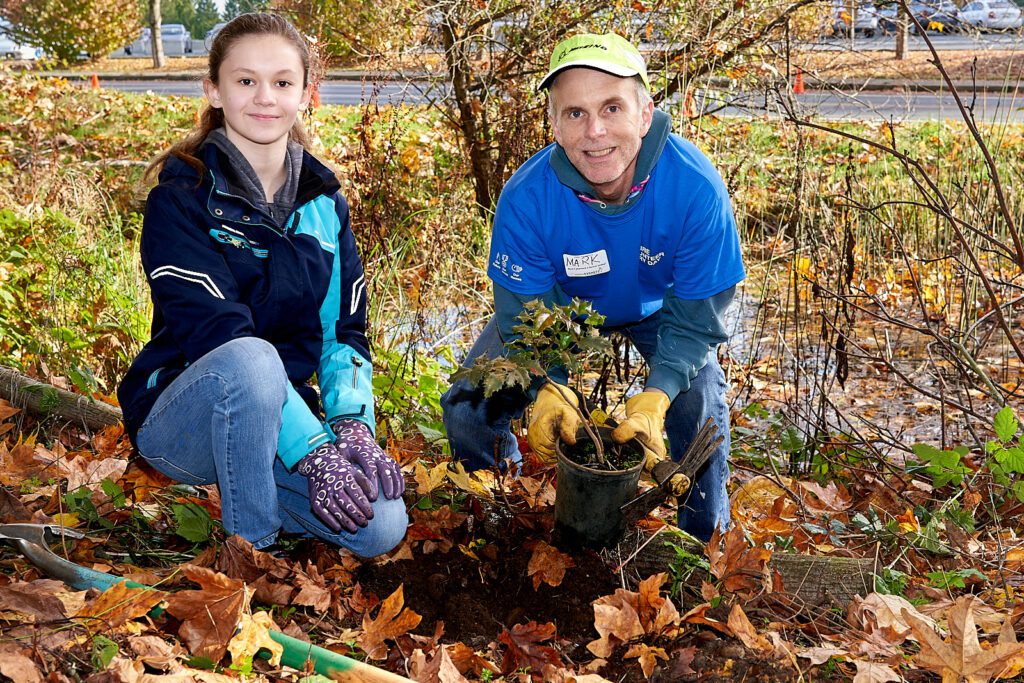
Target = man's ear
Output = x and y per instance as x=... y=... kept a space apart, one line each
x=646 y=117
x=212 y=93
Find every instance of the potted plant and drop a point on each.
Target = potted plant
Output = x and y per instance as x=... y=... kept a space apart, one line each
x=595 y=475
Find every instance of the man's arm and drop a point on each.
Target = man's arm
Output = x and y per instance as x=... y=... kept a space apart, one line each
x=689 y=332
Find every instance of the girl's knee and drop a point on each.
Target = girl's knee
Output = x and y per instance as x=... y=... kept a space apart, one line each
x=384 y=532
x=255 y=368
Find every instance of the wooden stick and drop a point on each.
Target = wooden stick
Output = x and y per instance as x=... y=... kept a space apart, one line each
x=45 y=399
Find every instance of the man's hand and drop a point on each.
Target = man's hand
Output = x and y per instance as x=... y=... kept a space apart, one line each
x=555 y=414
x=355 y=442
x=338 y=490
x=645 y=421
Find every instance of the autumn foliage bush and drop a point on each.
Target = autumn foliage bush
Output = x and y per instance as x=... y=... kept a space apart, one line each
x=68 y=29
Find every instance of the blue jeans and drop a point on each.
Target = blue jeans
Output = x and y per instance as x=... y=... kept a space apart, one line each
x=218 y=423
x=479 y=429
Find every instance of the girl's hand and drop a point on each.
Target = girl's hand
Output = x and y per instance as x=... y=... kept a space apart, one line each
x=356 y=443
x=338 y=490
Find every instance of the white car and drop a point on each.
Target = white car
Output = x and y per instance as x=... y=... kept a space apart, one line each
x=991 y=15
x=175 y=37
x=212 y=33
x=12 y=49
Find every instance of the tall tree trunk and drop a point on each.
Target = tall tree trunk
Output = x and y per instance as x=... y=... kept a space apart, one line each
x=901 y=31
x=155 y=39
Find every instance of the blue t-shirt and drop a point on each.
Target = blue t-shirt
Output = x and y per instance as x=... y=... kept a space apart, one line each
x=680 y=233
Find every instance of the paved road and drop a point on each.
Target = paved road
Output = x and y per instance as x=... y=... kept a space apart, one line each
x=871 y=106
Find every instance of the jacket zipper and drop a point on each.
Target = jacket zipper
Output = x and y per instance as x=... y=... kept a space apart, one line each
x=358 y=363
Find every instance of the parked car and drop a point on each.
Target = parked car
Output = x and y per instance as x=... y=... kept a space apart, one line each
x=935 y=15
x=887 y=18
x=862 y=16
x=212 y=33
x=12 y=49
x=991 y=15
x=176 y=39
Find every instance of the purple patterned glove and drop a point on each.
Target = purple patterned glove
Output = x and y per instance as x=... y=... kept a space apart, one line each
x=338 y=490
x=357 y=444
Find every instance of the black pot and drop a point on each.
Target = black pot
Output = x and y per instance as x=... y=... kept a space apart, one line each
x=587 y=499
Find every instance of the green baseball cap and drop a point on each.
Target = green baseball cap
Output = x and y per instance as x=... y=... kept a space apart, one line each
x=606 y=52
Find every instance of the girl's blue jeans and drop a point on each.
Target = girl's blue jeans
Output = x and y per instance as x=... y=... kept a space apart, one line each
x=479 y=429
x=218 y=423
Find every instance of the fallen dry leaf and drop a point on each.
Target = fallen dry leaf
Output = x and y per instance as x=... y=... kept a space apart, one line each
x=428 y=480
x=745 y=631
x=648 y=657
x=391 y=621
x=155 y=652
x=617 y=622
x=466 y=660
x=548 y=565
x=438 y=668
x=252 y=636
x=831 y=498
x=960 y=655
x=16 y=664
x=209 y=615
x=40 y=600
x=886 y=611
x=874 y=672
x=741 y=569
x=118 y=605
x=525 y=648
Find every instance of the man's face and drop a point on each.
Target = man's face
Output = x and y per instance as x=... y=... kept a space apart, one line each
x=599 y=123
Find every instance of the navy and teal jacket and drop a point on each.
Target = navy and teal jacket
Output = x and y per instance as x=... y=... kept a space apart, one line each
x=219 y=270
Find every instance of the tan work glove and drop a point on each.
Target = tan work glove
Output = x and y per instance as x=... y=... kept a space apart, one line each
x=645 y=421
x=554 y=414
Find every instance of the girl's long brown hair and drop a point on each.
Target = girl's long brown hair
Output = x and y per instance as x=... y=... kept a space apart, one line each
x=251 y=24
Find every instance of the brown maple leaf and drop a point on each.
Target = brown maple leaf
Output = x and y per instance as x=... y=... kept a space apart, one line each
x=648 y=656
x=391 y=621
x=466 y=659
x=657 y=613
x=525 y=647
x=548 y=565
x=961 y=655
x=616 y=620
x=210 y=615
x=40 y=600
x=742 y=569
x=746 y=633
x=437 y=667
x=118 y=605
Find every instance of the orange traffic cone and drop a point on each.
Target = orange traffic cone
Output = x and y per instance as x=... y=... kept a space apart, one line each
x=95 y=80
x=798 y=82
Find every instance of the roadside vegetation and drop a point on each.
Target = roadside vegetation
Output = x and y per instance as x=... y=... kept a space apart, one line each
x=876 y=375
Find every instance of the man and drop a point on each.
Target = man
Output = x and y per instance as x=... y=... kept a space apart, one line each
x=636 y=220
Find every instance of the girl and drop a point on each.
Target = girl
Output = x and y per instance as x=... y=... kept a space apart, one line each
x=256 y=286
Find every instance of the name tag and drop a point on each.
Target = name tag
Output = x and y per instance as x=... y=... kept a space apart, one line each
x=585 y=265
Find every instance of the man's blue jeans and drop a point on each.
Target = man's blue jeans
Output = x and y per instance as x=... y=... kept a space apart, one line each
x=218 y=422
x=479 y=429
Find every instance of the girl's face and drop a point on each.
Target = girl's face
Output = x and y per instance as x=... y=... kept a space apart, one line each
x=260 y=92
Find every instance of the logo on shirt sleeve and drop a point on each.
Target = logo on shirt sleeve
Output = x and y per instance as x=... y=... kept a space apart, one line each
x=585 y=265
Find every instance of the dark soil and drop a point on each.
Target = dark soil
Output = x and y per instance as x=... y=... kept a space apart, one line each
x=477 y=599
x=617 y=456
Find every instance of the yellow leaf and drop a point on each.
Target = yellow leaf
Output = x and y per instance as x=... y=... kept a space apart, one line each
x=67 y=519
x=254 y=635
x=469 y=483
x=428 y=480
